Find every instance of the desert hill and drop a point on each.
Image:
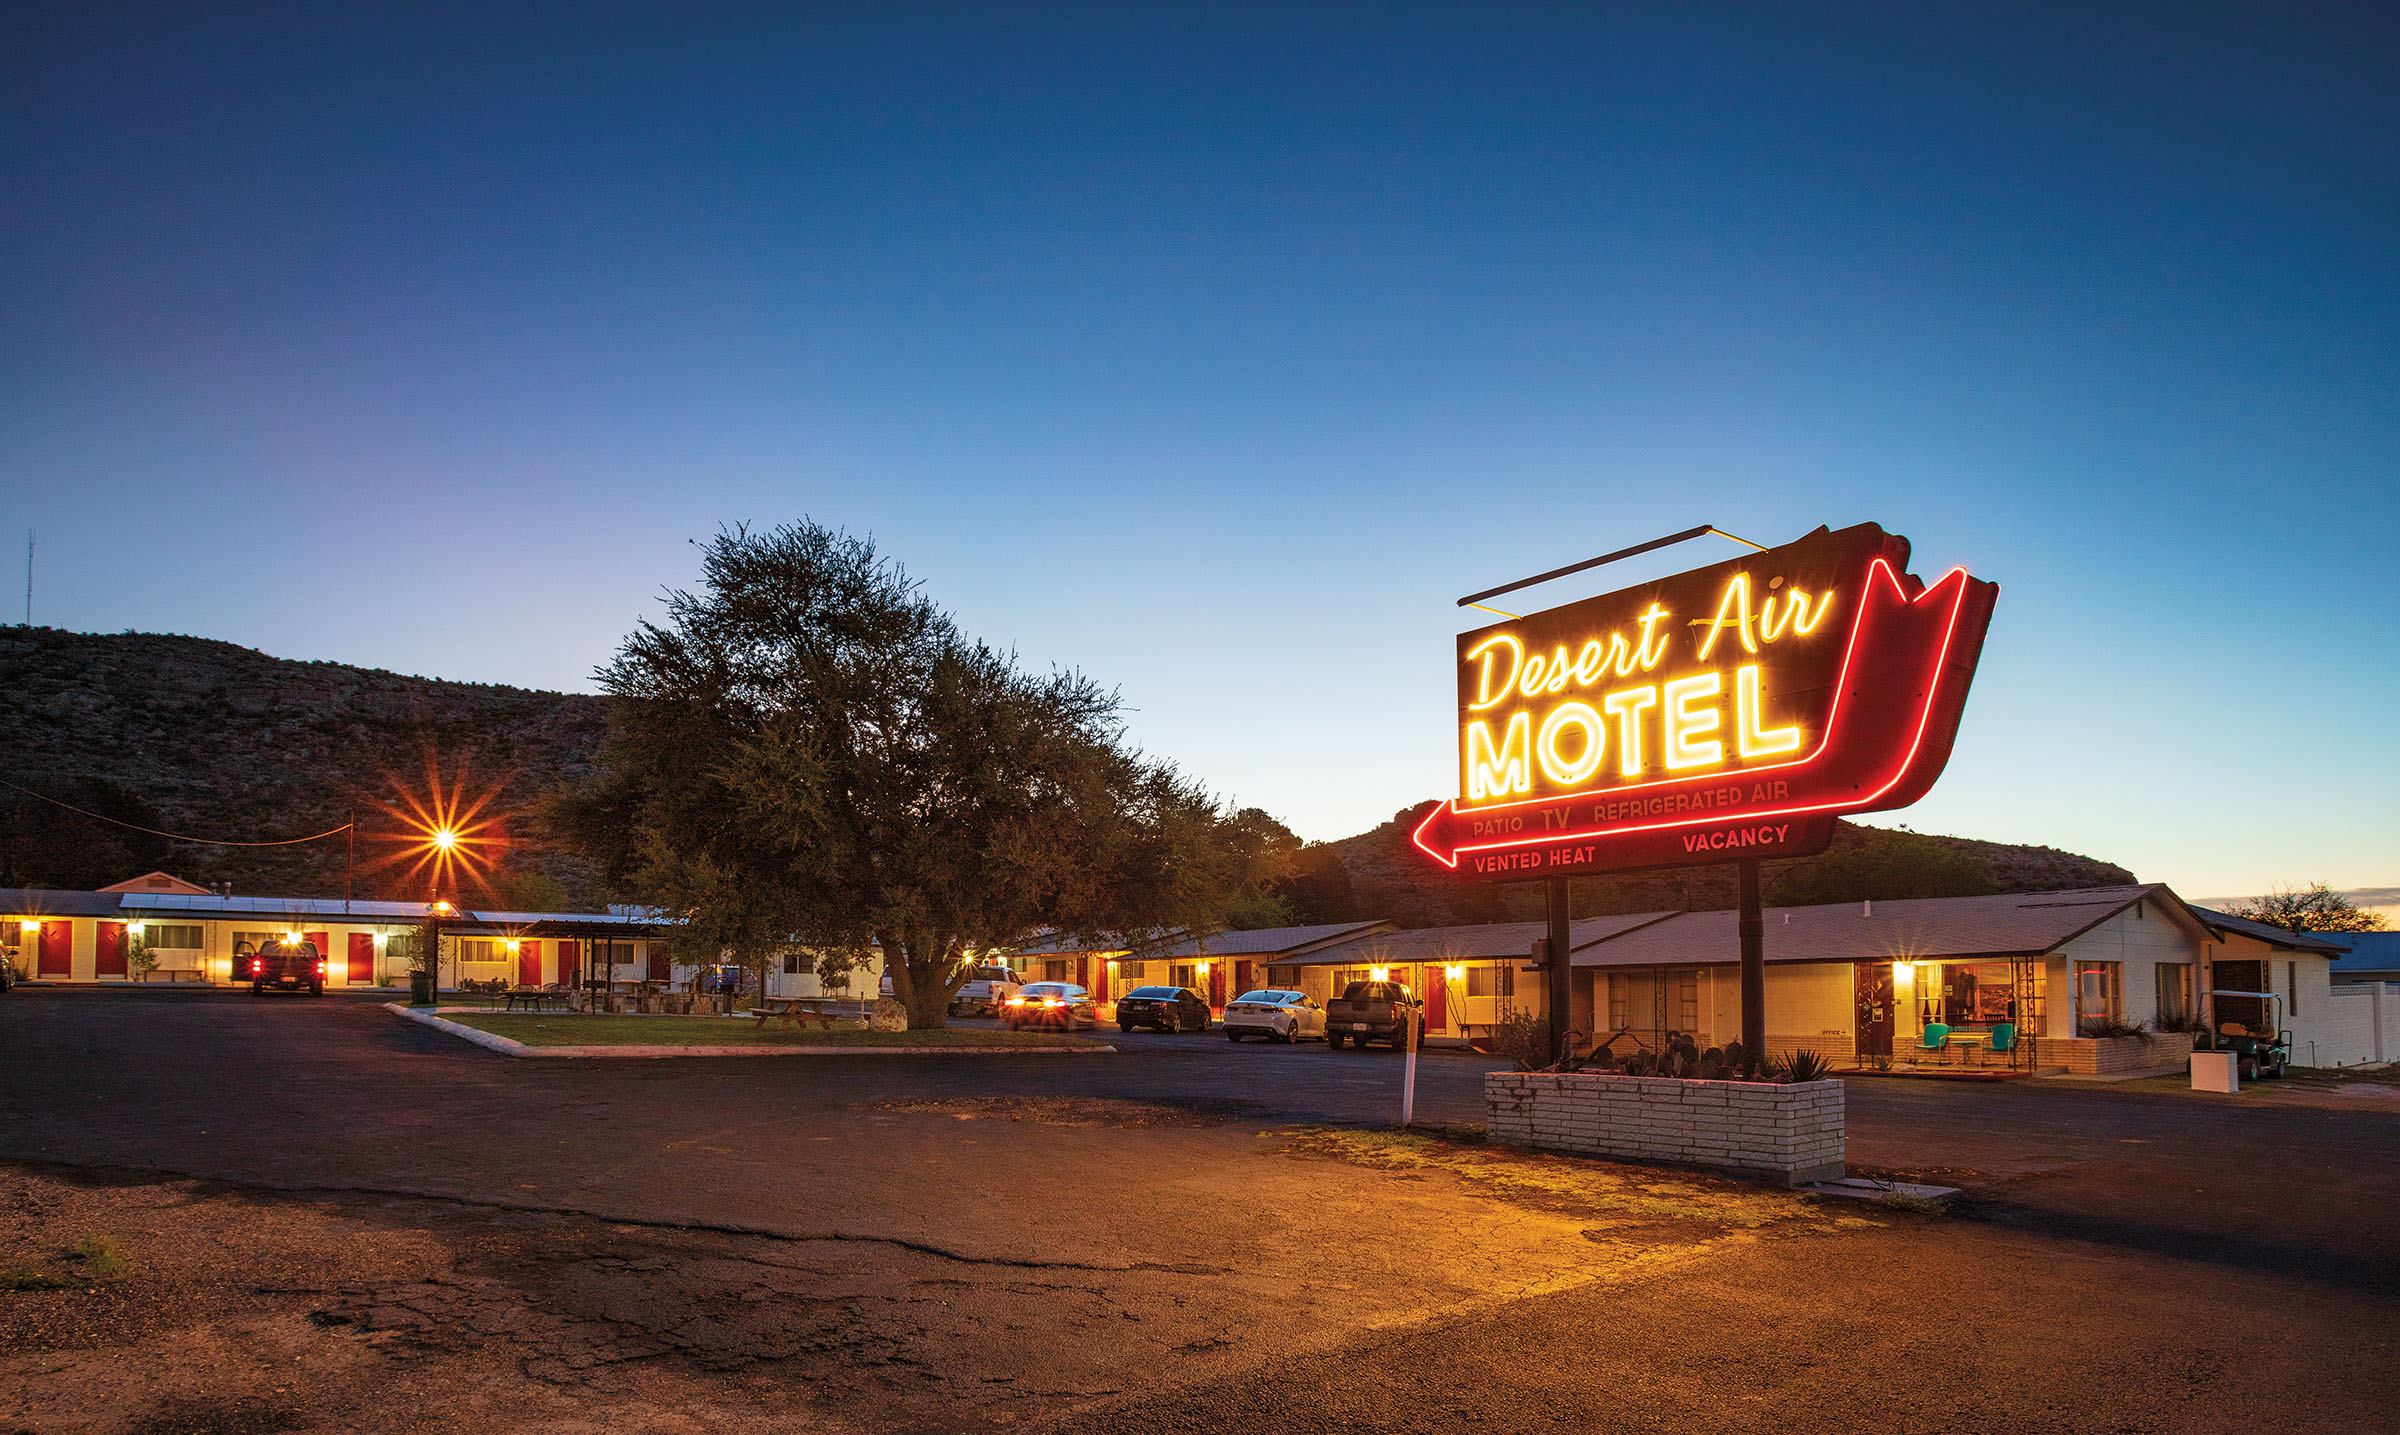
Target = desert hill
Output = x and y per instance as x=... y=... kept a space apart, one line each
x=211 y=739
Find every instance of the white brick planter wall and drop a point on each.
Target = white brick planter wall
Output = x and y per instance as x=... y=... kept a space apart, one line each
x=1792 y=1134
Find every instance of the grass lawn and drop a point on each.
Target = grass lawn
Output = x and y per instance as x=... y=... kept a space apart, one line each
x=576 y=1029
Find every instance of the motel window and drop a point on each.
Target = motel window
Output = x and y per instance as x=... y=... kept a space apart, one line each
x=171 y=939
x=791 y=964
x=2174 y=992
x=1687 y=1001
x=1492 y=979
x=480 y=949
x=1967 y=994
x=1055 y=970
x=2099 y=994
x=1620 y=1001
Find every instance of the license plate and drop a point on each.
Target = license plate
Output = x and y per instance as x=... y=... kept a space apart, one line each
x=1358 y=1026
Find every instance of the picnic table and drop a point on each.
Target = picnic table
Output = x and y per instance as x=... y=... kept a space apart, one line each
x=794 y=1013
x=535 y=997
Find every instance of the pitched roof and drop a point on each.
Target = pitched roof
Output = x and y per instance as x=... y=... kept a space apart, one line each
x=2326 y=942
x=1272 y=941
x=51 y=902
x=1488 y=942
x=2364 y=952
x=1923 y=929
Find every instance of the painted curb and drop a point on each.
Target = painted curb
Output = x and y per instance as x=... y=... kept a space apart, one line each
x=507 y=1046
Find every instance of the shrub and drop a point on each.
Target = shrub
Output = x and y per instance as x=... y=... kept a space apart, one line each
x=2110 y=1026
x=1806 y=1065
x=1523 y=1038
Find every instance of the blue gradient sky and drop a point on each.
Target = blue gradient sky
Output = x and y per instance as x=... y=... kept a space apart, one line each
x=1217 y=351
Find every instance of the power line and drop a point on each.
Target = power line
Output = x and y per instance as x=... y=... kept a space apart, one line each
x=177 y=836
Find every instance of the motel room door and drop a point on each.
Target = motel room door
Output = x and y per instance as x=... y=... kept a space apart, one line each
x=1437 y=999
x=529 y=964
x=108 y=951
x=57 y=955
x=360 y=970
x=1875 y=1015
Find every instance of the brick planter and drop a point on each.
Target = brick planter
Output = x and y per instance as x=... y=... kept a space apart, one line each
x=2108 y=1055
x=1791 y=1134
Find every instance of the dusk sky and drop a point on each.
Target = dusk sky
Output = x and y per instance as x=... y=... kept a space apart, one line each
x=1216 y=351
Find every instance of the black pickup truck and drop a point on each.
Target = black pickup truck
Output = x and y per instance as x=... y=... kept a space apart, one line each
x=283 y=967
x=1374 y=1011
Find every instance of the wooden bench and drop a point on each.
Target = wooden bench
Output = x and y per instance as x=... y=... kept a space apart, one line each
x=795 y=1014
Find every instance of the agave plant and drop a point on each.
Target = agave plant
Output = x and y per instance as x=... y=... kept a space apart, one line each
x=1806 y=1065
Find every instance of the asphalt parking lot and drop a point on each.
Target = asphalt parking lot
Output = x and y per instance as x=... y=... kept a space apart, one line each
x=1122 y=1241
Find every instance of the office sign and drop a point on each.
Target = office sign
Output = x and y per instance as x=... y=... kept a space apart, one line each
x=1730 y=711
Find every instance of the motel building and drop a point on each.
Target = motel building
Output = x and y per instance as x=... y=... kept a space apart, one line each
x=1220 y=966
x=190 y=936
x=2021 y=982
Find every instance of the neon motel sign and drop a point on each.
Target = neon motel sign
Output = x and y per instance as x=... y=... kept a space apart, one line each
x=1729 y=711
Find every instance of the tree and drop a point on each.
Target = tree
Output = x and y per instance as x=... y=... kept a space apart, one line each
x=808 y=751
x=2314 y=908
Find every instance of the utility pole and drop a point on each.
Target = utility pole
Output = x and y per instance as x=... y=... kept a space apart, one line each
x=28 y=577
x=1753 y=929
x=1559 y=980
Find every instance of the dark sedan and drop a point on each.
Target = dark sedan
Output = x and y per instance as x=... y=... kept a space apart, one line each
x=1059 y=1004
x=1167 y=1009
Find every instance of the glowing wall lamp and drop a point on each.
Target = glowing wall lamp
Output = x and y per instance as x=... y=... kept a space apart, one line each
x=1454 y=971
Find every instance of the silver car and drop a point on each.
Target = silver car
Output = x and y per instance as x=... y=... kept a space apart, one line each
x=1275 y=1014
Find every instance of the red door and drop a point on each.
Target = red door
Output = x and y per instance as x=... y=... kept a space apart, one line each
x=529 y=964
x=108 y=950
x=1437 y=999
x=568 y=955
x=361 y=971
x=1100 y=986
x=323 y=942
x=1083 y=973
x=58 y=950
x=1876 y=1015
x=1242 y=972
x=661 y=970
x=1216 y=986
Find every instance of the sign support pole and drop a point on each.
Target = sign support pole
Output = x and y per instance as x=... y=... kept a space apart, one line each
x=1754 y=965
x=1560 y=979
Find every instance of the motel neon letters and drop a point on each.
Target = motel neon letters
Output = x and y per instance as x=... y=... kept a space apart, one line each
x=1728 y=710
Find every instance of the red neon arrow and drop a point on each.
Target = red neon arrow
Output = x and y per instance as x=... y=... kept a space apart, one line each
x=1874 y=752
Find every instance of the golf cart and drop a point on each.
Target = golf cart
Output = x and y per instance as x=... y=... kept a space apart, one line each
x=2260 y=1048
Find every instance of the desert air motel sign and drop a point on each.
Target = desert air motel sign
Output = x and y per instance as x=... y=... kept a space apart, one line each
x=1730 y=711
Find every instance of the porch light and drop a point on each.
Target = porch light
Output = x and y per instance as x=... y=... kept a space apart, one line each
x=512 y=944
x=134 y=928
x=1204 y=968
x=30 y=926
x=1454 y=971
x=443 y=907
x=444 y=838
x=291 y=936
x=1383 y=974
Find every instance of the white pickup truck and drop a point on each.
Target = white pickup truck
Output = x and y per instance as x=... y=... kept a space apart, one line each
x=987 y=989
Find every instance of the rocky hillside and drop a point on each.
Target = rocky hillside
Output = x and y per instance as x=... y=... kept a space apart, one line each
x=210 y=739
x=1387 y=877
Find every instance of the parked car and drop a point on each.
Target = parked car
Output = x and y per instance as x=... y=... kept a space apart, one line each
x=986 y=991
x=1060 y=1004
x=1374 y=1011
x=1275 y=1014
x=1167 y=1009
x=283 y=967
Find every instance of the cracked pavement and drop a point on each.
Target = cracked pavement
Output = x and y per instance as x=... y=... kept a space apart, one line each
x=343 y=1221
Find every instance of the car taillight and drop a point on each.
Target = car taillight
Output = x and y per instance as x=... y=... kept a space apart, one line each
x=1052 y=1001
x=254 y=968
x=320 y=966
